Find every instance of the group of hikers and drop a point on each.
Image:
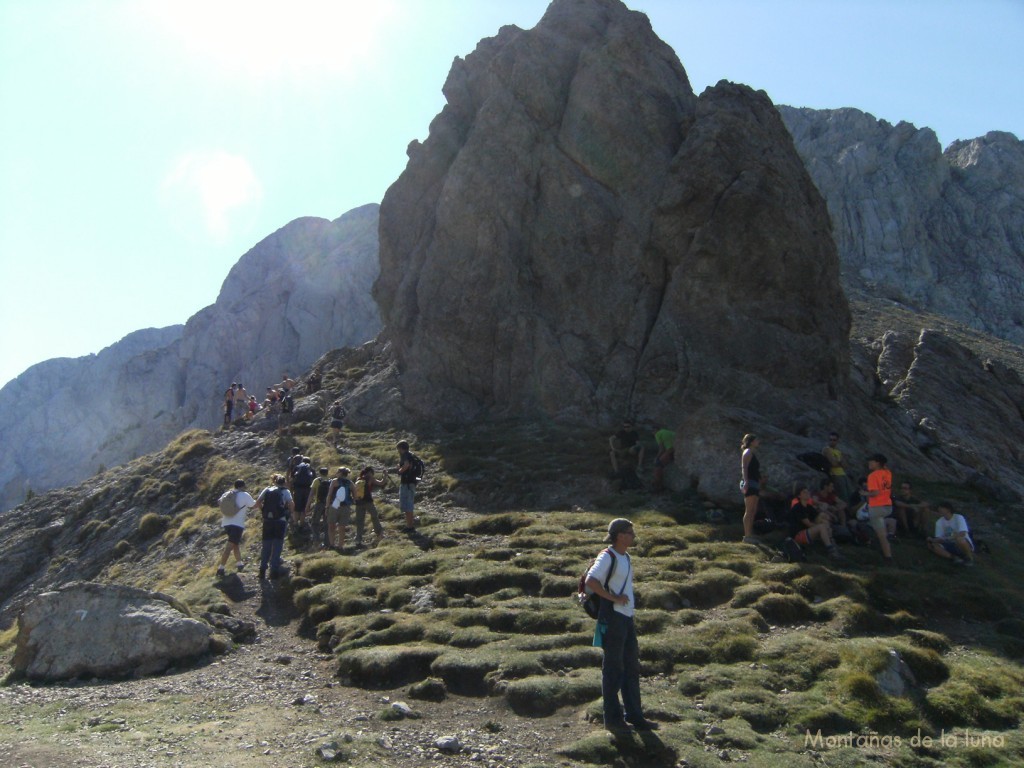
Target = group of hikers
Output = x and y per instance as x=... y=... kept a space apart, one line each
x=279 y=404
x=239 y=404
x=299 y=498
x=834 y=511
x=315 y=505
x=837 y=511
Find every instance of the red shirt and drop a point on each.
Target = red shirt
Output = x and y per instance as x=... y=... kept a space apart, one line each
x=880 y=480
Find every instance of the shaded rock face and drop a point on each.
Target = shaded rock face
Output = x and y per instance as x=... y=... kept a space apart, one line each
x=95 y=630
x=581 y=236
x=938 y=231
x=303 y=289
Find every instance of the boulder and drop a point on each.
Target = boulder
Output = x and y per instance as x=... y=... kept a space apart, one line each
x=581 y=236
x=85 y=629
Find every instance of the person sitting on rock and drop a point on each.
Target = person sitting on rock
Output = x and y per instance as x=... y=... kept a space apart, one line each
x=952 y=540
x=909 y=511
x=807 y=523
x=626 y=449
x=829 y=502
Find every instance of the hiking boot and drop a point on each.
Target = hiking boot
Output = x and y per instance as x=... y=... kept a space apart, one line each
x=263 y=575
x=617 y=728
x=241 y=566
x=644 y=724
x=888 y=562
x=834 y=553
x=220 y=572
x=751 y=540
x=969 y=563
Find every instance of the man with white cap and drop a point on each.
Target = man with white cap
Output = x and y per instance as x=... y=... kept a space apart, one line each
x=611 y=578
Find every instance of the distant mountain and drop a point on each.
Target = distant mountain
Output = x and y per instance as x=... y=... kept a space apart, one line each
x=302 y=290
x=937 y=231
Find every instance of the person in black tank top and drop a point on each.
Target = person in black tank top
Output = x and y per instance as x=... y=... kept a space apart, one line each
x=750 y=484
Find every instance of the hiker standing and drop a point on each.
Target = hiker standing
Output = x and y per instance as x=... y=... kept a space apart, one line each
x=837 y=466
x=666 y=442
x=750 y=484
x=408 y=476
x=339 y=508
x=229 y=404
x=879 y=496
x=316 y=505
x=234 y=504
x=337 y=422
x=275 y=505
x=621 y=668
x=302 y=483
x=363 y=493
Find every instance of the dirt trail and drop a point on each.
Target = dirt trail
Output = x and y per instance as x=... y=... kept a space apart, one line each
x=272 y=702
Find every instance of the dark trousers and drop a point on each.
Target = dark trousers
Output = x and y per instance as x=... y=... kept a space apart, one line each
x=621 y=670
x=273 y=544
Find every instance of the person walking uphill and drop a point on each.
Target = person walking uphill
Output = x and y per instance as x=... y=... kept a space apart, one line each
x=276 y=506
x=621 y=668
x=233 y=507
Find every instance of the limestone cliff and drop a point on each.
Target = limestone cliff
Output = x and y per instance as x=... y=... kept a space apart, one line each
x=937 y=231
x=302 y=290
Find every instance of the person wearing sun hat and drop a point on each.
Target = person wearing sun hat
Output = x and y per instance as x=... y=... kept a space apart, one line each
x=611 y=578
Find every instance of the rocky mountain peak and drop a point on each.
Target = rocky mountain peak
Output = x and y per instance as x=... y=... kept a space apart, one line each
x=580 y=235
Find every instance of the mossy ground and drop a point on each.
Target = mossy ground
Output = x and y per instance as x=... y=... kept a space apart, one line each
x=743 y=654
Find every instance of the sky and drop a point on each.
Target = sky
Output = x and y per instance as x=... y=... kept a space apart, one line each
x=148 y=144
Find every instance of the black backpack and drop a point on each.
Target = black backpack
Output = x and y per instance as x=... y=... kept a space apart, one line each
x=418 y=467
x=273 y=504
x=322 y=490
x=287 y=404
x=792 y=551
x=303 y=477
x=591 y=601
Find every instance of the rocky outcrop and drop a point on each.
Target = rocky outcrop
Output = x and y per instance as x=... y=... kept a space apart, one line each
x=301 y=291
x=94 y=630
x=581 y=236
x=936 y=231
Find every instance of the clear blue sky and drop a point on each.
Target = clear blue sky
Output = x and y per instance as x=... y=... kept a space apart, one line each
x=148 y=144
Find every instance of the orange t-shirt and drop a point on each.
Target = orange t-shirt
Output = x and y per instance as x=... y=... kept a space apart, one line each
x=880 y=480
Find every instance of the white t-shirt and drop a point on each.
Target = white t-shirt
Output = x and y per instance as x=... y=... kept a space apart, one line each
x=947 y=529
x=621 y=582
x=245 y=502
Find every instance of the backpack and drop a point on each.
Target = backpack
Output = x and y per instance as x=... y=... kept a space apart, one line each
x=342 y=494
x=418 y=467
x=362 y=490
x=303 y=477
x=792 y=551
x=322 y=489
x=228 y=504
x=338 y=413
x=591 y=601
x=273 y=504
x=287 y=404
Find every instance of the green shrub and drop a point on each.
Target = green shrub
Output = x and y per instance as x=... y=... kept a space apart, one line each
x=783 y=609
x=151 y=524
x=386 y=667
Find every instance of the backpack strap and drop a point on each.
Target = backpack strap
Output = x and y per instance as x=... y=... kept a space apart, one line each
x=610 y=570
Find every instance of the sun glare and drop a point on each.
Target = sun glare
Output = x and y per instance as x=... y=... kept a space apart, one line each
x=264 y=38
x=219 y=182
